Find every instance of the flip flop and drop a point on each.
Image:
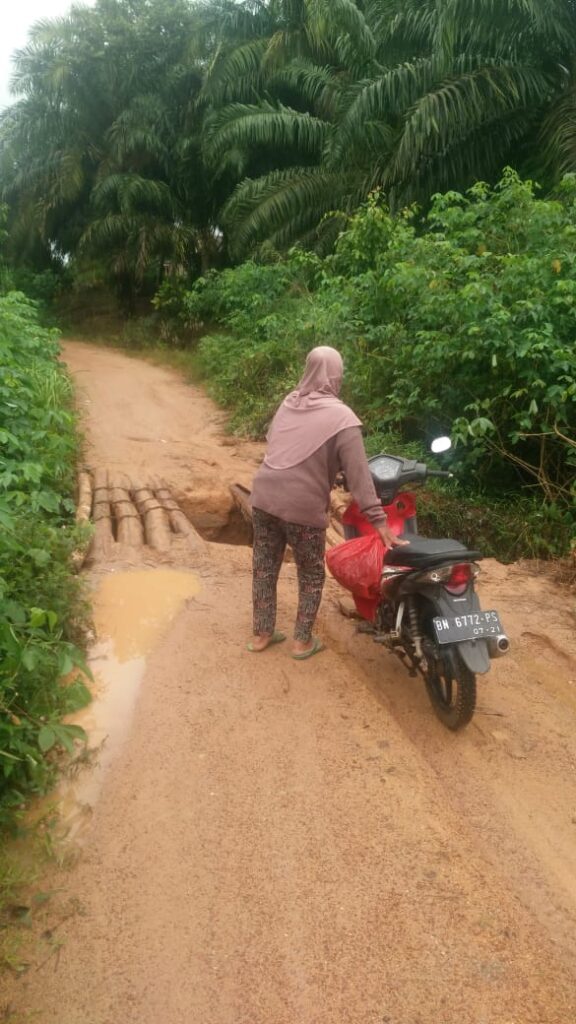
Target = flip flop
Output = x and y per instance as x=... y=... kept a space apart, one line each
x=276 y=638
x=317 y=646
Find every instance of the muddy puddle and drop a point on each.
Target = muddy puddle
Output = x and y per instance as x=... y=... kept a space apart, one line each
x=131 y=611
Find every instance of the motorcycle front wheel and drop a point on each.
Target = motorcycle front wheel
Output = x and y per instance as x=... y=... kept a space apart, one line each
x=451 y=686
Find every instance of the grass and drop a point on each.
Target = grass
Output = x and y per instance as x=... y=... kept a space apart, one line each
x=23 y=901
x=34 y=903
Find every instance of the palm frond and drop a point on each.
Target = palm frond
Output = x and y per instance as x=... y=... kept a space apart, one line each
x=486 y=151
x=138 y=130
x=383 y=99
x=558 y=135
x=404 y=29
x=318 y=87
x=236 y=74
x=131 y=194
x=460 y=105
x=334 y=19
x=282 y=204
x=244 y=126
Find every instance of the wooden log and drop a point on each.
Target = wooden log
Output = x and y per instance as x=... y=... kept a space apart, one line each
x=156 y=522
x=103 y=539
x=83 y=512
x=241 y=497
x=101 y=514
x=179 y=522
x=129 y=529
x=101 y=482
x=102 y=511
x=146 y=500
x=84 y=506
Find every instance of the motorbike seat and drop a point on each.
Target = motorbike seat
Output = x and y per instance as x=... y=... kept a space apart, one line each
x=426 y=552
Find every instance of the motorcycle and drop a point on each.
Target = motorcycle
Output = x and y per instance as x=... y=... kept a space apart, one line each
x=427 y=611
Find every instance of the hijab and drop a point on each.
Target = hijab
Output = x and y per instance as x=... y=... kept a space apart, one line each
x=310 y=415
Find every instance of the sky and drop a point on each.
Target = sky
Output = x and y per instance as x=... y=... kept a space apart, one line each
x=16 y=18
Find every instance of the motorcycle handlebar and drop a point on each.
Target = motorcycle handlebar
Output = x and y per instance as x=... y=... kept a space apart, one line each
x=440 y=472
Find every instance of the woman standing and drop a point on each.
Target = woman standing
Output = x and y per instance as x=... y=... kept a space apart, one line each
x=312 y=437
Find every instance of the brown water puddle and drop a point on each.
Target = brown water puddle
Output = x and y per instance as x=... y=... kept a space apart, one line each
x=131 y=611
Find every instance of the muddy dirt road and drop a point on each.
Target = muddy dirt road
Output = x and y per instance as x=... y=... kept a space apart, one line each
x=282 y=843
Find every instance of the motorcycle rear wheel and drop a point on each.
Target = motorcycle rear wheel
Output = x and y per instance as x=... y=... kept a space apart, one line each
x=451 y=687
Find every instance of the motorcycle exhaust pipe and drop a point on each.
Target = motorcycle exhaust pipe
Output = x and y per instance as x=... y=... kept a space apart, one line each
x=498 y=646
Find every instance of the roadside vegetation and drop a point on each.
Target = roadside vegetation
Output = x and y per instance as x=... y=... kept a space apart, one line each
x=42 y=612
x=41 y=605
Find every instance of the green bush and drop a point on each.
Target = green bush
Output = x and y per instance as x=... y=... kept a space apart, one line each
x=43 y=287
x=463 y=323
x=40 y=601
x=471 y=324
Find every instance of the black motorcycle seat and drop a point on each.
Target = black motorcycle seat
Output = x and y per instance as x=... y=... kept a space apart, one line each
x=426 y=552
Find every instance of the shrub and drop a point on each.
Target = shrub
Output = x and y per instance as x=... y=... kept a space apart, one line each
x=472 y=326
x=40 y=601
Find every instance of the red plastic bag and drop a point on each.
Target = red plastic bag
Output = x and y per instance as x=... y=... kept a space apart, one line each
x=357 y=564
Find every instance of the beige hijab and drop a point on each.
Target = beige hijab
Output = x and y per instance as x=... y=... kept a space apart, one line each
x=311 y=414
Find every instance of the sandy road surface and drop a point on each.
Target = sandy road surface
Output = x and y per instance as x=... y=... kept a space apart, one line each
x=282 y=843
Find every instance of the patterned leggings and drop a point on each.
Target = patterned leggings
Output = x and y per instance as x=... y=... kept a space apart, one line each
x=271 y=535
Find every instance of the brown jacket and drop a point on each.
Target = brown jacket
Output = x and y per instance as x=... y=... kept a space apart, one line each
x=301 y=494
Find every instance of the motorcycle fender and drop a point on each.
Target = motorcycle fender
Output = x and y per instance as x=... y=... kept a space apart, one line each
x=474 y=653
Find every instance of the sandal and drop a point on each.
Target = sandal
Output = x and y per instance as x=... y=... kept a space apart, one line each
x=276 y=638
x=317 y=646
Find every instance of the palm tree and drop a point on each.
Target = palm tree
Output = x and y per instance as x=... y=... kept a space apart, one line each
x=409 y=96
x=103 y=146
x=151 y=124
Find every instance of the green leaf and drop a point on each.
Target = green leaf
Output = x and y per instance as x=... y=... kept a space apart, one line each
x=6 y=520
x=65 y=663
x=46 y=738
x=77 y=695
x=37 y=618
x=40 y=557
x=66 y=734
x=15 y=613
x=49 y=502
x=30 y=657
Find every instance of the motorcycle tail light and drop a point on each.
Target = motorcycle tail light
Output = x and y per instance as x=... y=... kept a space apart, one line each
x=459 y=578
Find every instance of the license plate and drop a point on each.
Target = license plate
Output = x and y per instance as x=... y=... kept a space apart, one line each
x=472 y=626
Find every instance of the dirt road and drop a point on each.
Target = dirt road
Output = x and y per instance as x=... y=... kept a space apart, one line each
x=282 y=843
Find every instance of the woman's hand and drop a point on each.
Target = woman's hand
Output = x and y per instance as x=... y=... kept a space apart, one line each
x=390 y=539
